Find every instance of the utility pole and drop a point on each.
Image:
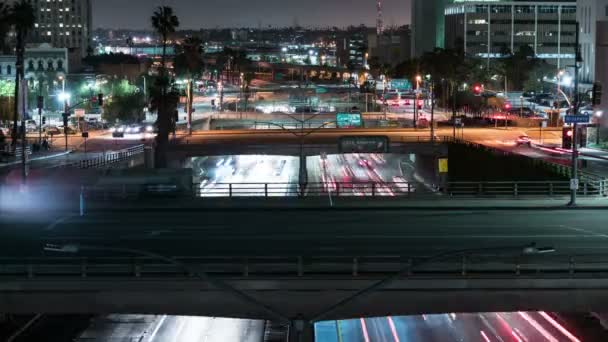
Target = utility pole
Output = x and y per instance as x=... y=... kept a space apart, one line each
x=66 y=115
x=574 y=177
x=432 y=110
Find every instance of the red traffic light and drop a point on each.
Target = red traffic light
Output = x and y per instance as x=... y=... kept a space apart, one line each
x=569 y=133
x=477 y=89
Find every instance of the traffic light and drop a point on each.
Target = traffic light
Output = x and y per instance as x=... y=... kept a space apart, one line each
x=40 y=102
x=477 y=89
x=596 y=94
x=567 y=137
x=44 y=120
x=100 y=100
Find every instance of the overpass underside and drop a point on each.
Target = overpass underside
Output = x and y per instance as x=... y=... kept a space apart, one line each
x=303 y=296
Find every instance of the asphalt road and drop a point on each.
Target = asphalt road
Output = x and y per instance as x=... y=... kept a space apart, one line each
x=246 y=173
x=481 y=327
x=163 y=328
x=295 y=232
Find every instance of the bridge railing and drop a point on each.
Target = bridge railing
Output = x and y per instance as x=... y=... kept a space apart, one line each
x=300 y=266
x=518 y=189
x=514 y=189
x=342 y=189
x=108 y=158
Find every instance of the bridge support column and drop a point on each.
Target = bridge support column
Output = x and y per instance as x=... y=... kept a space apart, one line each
x=301 y=331
x=303 y=173
x=149 y=157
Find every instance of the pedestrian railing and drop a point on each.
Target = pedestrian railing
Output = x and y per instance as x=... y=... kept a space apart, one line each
x=366 y=266
x=108 y=158
x=338 y=189
x=544 y=189
x=519 y=189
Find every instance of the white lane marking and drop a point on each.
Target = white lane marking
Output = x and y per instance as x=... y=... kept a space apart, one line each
x=160 y=322
x=585 y=231
x=59 y=221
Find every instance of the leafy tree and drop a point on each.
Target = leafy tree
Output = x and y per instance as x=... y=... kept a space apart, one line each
x=164 y=21
x=7 y=89
x=22 y=17
x=125 y=107
x=517 y=67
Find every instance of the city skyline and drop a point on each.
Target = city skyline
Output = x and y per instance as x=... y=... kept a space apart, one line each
x=275 y=13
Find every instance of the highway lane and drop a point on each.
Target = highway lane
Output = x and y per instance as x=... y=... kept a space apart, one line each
x=211 y=329
x=354 y=232
x=246 y=173
x=449 y=327
x=163 y=328
x=346 y=170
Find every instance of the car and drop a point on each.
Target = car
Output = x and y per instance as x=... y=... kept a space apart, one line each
x=586 y=110
x=523 y=140
x=52 y=130
x=118 y=131
x=134 y=129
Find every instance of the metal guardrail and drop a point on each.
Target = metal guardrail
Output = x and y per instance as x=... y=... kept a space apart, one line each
x=524 y=189
x=517 y=189
x=108 y=158
x=299 y=266
x=339 y=189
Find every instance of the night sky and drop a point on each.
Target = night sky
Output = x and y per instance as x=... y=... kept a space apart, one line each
x=250 y=13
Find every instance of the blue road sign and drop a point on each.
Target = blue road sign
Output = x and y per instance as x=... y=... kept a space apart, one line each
x=577 y=119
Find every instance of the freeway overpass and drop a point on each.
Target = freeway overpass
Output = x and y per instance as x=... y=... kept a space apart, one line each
x=168 y=258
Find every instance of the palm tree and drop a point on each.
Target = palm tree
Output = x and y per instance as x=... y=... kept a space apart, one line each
x=22 y=16
x=164 y=22
x=4 y=25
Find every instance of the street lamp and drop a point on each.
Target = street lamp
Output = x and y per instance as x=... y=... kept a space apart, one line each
x=64 y=97
x=418 y=81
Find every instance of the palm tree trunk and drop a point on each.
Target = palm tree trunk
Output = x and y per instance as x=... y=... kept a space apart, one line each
x=18 y=76
x=163 y=117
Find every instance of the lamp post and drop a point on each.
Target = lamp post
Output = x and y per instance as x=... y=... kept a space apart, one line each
x=574 y=177
x=560 y=74
x=418 y=80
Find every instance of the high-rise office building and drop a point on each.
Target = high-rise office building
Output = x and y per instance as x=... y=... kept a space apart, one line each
x=491 y=30
x=428 y=25
x=590 y=14
x=63 y=24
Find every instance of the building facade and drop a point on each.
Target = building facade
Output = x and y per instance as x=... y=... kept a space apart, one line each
x=590 y=13
x=427 y=25
x=351 y=48
x=492 y=30
x=64 y=24
x=392 y=47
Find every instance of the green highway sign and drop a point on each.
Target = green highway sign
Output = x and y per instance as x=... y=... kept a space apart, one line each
x=364 y=144
x=400 y=84
x=349 y=120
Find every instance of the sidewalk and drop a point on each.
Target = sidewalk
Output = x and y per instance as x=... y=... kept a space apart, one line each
x=438 y=203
